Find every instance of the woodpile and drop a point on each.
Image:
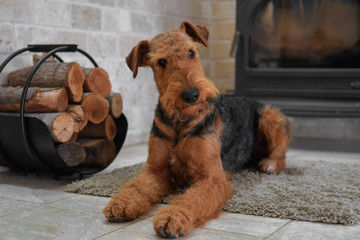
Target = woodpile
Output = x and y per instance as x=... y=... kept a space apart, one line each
x=75 y=103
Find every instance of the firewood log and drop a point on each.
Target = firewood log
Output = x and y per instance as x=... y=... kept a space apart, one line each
x=74 y=137
x=72 y=153
x=116 y=104
x=37 y=99
x=68 y=75
x=105 y=129
x=36 y=58
x=97 y=81
x=79 y=115
x=60 y=125
x=96 y=107
x=100 y=152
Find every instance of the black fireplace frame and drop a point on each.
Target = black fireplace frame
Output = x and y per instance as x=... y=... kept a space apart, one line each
x=311 y=92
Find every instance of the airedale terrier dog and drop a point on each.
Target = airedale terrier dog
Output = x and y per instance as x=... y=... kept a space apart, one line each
x=199 y=138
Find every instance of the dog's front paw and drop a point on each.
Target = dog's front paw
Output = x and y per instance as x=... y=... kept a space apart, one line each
x=272 y=165
x=115 y=211
x=171 y=223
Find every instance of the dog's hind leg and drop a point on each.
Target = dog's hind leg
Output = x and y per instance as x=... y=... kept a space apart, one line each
x=274 y=137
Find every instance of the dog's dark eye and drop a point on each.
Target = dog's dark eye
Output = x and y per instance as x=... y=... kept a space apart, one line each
x=191 y=53
x=162 y=62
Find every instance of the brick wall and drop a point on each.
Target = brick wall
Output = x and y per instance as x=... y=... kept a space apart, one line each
x=223 y=17
x=107 y=30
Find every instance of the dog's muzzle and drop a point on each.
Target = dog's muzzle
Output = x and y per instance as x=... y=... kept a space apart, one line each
x=190 y=95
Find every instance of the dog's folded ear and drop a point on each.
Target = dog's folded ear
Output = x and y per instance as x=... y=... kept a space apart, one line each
x=198 y=33
x=138 y=56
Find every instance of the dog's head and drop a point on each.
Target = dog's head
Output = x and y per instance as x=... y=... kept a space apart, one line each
x=175 y=61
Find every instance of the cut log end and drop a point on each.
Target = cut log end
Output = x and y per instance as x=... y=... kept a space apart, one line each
x=97 y=81
x=116 y=104
x=110 y=128
x=96 y=106
x=63 y=127
x=72 y=153
x=107 y=129
x=79 y=115
x=99 y=151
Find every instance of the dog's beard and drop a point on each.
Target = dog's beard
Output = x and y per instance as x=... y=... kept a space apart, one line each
x=174 y=105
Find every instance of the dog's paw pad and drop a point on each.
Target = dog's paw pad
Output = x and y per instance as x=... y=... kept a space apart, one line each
x=167 y=233
x=114 y=219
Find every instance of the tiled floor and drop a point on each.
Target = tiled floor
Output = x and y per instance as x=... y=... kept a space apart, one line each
x=36 y=207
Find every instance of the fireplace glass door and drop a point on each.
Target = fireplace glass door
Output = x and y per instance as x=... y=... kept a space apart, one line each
x=304 y=53
x=306 y=34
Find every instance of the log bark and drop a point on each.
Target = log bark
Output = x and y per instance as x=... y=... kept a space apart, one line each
x=79 y=115
x=100 y=152
x=36 y=58
x=37 y=99
x=68 y=75
x=105 y=129
x=97 y=81
x=116 y=104
x=96 y=107
x=72 y=153
x=61 y=125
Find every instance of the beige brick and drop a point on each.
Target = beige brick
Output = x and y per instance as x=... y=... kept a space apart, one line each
x=163 y=22
x=126 y=43
x=225 y=85
x=141 y=22
x=220 y=49
x=103 y=45
x=74 y=37
x=103 y=2
x=224 y=10
x=223 y=0
x=54 y=13
x=16 y=10
x=116 y=20
x=6 y=37
x=206 y=66
x=204 y=52
x=85 y=17
x=143 y=5
x=45 y=35
x=206 y=10
x=185 y=8
x=25 y=34
x=223 y=30
x=223 y=69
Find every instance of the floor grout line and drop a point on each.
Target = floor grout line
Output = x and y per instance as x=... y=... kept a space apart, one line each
x=222 y=231
x=283 y=226
x=123 y=226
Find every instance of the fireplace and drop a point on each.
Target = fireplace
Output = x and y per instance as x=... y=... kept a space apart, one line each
x=300 y=55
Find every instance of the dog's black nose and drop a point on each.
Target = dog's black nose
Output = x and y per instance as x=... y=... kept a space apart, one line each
x=190 y=95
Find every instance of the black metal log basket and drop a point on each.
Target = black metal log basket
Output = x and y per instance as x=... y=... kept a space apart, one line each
x=26 y=142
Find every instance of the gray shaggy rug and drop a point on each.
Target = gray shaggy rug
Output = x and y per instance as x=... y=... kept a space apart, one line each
x=308 y=191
